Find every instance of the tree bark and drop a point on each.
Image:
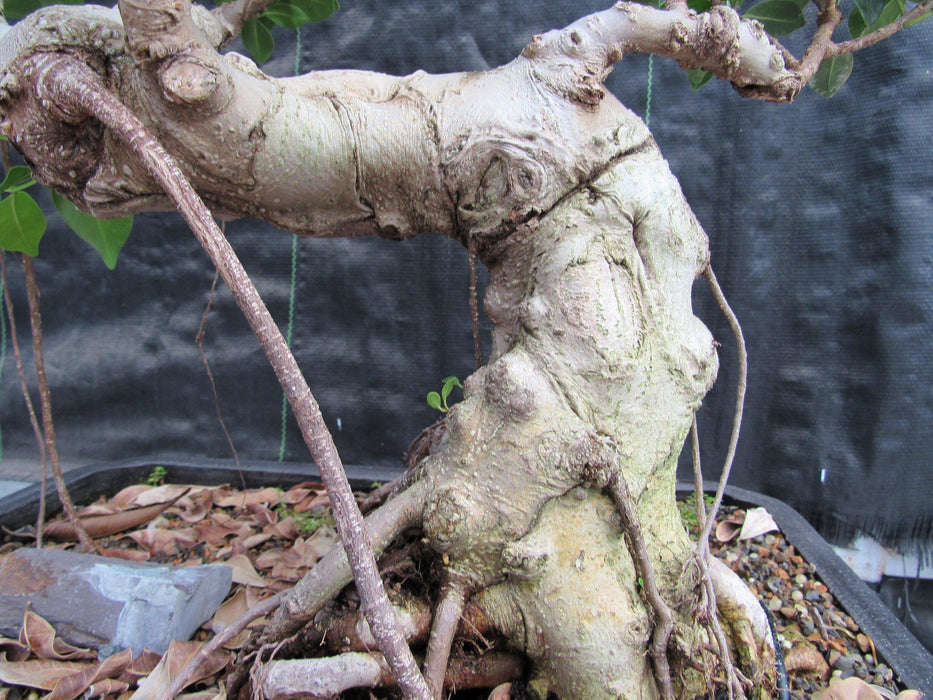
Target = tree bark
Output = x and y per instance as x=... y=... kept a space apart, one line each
x=598 y=363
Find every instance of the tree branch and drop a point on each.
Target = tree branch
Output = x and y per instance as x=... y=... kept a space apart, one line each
x=79 y=91
x=889 y=30
x=231 y=16
x=718 y=41
x=828 y=20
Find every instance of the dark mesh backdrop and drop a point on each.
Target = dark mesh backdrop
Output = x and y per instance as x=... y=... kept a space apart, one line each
x=819 y=215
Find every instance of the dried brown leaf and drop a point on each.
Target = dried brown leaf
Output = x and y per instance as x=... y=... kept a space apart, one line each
x=73 y=686
x=38 y=673
x=39 y=636
x=127 y=496
x=285 y=529
x=268 y=559
x=848 y=689
x=195 y=508
x=161 y=494
x=141 y=667
x=241 y=499
x=106 y=525
x=106 y=686
x=178 y=654
x=12 y=650
x=805 y=659
x=243 y=571
x=127 y=554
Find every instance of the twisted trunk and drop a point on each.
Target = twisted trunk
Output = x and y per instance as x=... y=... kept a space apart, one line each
x=598 y=363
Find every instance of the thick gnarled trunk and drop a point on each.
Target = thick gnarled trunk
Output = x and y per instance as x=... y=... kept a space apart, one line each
x=598 y=362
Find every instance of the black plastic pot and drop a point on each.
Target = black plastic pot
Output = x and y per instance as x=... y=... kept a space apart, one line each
x=900 y=650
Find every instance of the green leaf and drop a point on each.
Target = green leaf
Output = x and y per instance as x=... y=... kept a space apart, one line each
x=449 y=384
x=700 y=5
x=870 y=9
x=22 y=224
x=434 y=401
x=832 y=75
x=915 y=20
x=891 y=11
x=857 y=26
x=19 y=177
x=779 y=17
x=106 y=236
x=286 y=15
x=258 y=40
x=698 y=77
x=317 y=10
x=17 y=9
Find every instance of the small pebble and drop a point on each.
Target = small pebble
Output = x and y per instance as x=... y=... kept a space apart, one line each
x=800 y=579
x=844 y=663
x=774 y=604
x=812 y=596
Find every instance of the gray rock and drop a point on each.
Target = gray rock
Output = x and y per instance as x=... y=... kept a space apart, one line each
x=109 y=604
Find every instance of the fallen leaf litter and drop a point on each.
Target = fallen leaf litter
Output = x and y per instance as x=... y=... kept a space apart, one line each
x=271 y=537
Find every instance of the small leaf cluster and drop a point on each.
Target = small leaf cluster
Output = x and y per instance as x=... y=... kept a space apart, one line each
x=307 y=522
x=17 y=9
x=23 y=223
x=292 y=14
x=438 y=401
x=156 y=476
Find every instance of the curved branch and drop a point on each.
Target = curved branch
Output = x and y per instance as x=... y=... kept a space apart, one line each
x=79 y=91
x=718 y=41
x=828 y=20
x=889 y=30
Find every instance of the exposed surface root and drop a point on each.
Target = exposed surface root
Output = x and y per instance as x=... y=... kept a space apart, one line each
x=446 y=620
x=664 y=622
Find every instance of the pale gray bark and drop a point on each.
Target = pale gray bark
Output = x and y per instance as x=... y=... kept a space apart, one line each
x=598 y=363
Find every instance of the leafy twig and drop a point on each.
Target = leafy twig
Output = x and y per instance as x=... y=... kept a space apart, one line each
x=882 y=33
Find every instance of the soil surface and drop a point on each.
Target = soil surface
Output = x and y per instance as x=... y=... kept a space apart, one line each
x=271 y=537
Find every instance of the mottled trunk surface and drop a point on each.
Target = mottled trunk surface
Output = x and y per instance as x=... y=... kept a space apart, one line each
x=598 y=362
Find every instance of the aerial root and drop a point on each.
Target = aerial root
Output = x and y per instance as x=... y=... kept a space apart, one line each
x=664 y=622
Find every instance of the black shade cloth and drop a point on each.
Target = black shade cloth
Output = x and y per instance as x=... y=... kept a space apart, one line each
x=819 y=215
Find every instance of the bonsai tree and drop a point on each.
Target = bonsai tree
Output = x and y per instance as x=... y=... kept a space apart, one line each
x=545 y=497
